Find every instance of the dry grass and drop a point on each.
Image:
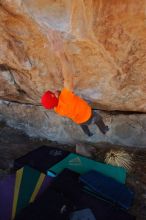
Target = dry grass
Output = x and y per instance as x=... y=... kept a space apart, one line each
x=119 y=158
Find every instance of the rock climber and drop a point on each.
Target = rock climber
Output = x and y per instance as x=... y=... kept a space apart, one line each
x=66 y=103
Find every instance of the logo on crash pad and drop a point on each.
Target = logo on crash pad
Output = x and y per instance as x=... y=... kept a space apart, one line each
x=55 y=153
x=75 y=162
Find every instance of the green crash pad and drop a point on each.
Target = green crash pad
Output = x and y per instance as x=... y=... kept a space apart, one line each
x=29 y=184
x=82 y=165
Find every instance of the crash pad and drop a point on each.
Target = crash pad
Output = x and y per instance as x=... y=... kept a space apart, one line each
x=19 y=189
x=41 y=158
x=7 y=186
x=108 y=188
x=64 y=197
x=82 y=165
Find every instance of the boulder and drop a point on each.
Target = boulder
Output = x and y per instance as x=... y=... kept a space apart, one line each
x=106 y=42
x=106 y=45
x=124 y=129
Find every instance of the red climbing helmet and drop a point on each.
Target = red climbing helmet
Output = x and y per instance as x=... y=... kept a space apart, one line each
x=49 y=100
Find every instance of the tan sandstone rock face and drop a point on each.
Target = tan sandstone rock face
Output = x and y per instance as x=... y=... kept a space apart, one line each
x=106 y=41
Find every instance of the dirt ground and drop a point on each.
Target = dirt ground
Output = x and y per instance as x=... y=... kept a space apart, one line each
x=14 y=143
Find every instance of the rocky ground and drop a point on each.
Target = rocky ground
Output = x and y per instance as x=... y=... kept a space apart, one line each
x=14 y=143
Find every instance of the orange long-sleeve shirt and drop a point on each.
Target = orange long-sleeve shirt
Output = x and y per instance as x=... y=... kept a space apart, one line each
x=73 y=107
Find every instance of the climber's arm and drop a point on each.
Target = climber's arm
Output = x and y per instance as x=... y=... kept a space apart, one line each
x=88 y=101
x=66 y=71
x=58 y=48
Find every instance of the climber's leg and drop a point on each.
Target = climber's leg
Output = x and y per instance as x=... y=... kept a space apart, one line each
x=102 y=127
x=100 y=123
x=86 y=129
